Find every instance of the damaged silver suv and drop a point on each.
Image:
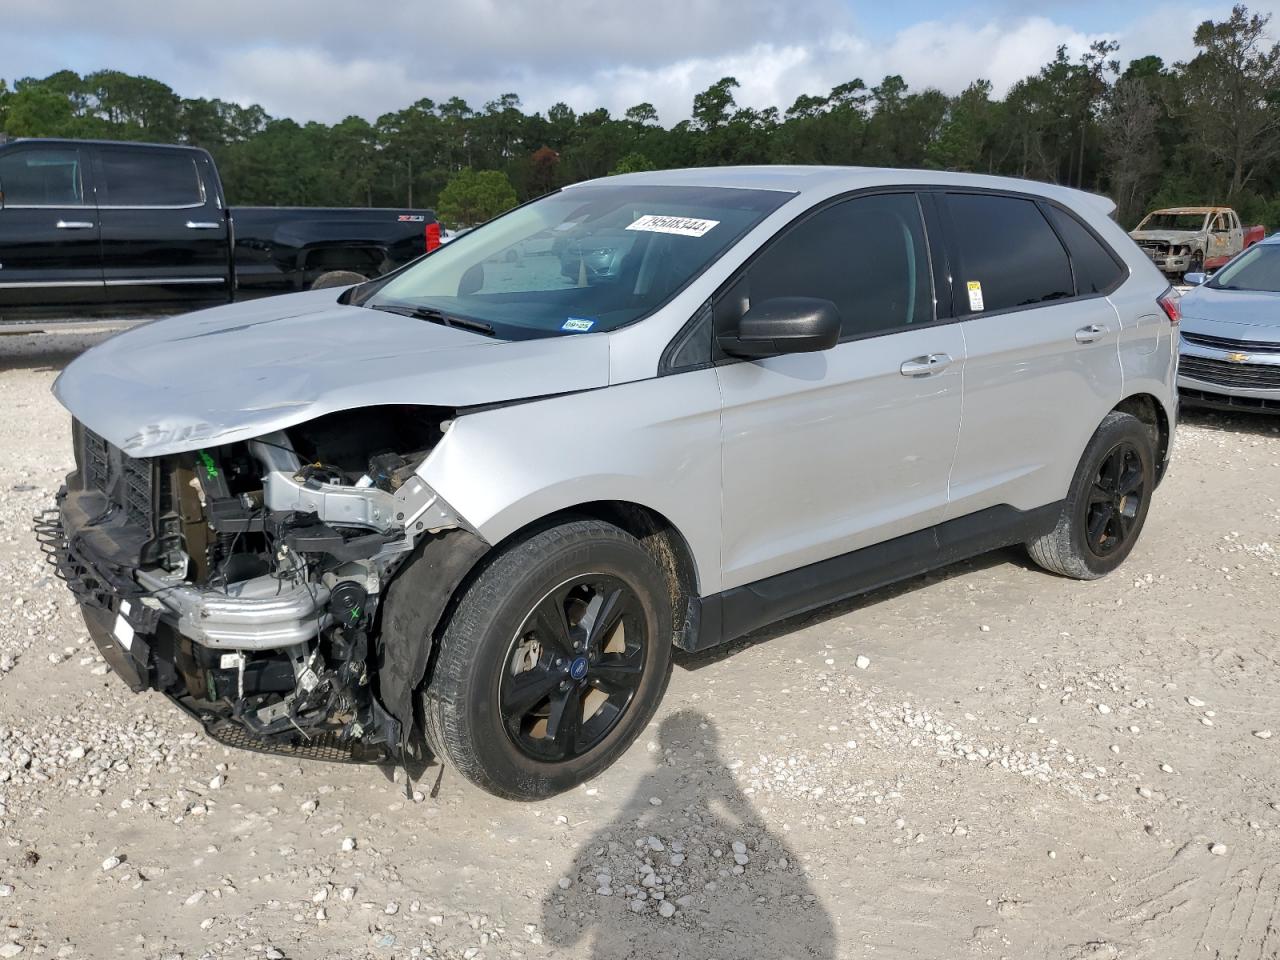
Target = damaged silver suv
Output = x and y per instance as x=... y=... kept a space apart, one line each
x=478 y=501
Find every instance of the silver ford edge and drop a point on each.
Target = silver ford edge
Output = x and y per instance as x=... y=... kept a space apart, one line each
x=473 y=505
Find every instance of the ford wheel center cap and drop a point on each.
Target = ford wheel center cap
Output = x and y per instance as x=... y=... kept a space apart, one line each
x=578 y=669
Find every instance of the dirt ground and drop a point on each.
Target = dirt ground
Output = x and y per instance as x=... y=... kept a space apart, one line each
x=1028 y=767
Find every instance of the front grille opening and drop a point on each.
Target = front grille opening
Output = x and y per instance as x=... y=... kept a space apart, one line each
x=1255 y=376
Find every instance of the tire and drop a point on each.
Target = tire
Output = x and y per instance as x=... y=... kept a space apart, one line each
x=337 y=278
x=506 y=620
x=1103 y=515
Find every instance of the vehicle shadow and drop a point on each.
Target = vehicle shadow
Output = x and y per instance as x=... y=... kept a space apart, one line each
x=697 y=874
x=46 y=353
x=1009 y=555
x=1230 y=421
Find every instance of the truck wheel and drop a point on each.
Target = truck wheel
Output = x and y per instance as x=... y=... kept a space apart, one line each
x=1106 y=505
x=552 y=662
x=337 y=278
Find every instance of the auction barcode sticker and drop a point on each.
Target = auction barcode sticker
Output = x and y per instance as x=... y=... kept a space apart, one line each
x=681 y=226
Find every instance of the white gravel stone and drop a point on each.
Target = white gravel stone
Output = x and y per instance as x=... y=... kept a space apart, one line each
x=391 y=909
x=1262 y=734
x=564 y=883
x=667 y=909
x=11 y=950
x=862 y=662
x=1218 y=849
x=110 y=864
x=348 y=844
x=6 y=889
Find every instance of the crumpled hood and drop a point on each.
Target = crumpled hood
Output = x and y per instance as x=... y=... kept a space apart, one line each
x=243 y=370
x=1225 y=313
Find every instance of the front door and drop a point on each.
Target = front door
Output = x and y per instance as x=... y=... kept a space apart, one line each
x=164 y=236
x=49 y=253
x=828 y=452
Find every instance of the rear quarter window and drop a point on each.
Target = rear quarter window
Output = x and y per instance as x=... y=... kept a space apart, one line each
x=1097 y=270
x=145 y=178
x=1008 y=250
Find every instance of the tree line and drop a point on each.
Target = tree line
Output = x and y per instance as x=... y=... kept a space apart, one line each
x=1150 y=134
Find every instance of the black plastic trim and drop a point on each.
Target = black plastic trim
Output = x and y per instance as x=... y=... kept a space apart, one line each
x=738 y=611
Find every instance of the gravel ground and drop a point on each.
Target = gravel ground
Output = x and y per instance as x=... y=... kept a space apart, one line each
x=987 y=762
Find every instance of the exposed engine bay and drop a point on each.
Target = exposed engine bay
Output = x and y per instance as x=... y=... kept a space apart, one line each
x=258 y=568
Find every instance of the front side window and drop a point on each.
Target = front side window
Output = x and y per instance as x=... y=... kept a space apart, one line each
x=42 y=177
x=1009 y=255
x=149 y=178
x=587 y=259
x=1258 y=268
x=867 y=255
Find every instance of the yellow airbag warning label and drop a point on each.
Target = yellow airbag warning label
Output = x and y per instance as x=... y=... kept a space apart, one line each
x=975 y=295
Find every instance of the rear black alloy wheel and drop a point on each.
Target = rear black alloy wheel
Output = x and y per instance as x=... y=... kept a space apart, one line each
x=1107 y=504
x=1115 y=499
x=552 y=662
x=573 y=668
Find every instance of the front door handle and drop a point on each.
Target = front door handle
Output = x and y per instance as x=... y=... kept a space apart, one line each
x=1091 y=333
x=203 y=225
x=925 y=366
x=74 y=225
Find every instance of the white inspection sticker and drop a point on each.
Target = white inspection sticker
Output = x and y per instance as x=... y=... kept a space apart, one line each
x=123 y=632
x=975 y=295
x=681 y=226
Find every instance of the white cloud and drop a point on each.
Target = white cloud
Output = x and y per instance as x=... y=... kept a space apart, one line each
x=323 y=60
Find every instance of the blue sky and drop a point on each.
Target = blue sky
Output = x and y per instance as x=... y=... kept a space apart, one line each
x=325 y=59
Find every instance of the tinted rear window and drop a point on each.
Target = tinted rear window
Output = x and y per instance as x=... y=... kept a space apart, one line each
x=1095 y=268
x=147 y=178
x=1009 y=251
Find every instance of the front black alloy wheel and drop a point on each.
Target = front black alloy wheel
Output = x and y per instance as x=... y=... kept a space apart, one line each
x=552 y=662
x=574 y=668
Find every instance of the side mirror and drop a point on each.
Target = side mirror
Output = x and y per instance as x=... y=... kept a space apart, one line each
x=1195 y=279
x=784 y=325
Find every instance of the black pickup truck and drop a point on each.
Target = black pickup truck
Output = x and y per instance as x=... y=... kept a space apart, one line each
x=100 y=226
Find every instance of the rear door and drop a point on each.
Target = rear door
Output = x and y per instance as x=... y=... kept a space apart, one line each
x=164 y=236
x=49 y=253
x=828 y=452
x=1042 y=364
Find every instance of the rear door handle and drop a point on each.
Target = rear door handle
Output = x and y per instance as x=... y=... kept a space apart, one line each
x=1094 y=331
x=74 y=225
x=925 y=366
x=203 y=225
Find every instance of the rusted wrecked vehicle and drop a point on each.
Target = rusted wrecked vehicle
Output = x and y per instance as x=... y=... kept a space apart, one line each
x=1181 y=240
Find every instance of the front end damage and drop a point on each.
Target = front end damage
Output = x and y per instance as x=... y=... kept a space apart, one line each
x=1173 y=252
x=258 y=583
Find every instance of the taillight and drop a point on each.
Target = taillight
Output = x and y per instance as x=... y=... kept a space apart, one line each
x=432 y=236
x=1169 y=304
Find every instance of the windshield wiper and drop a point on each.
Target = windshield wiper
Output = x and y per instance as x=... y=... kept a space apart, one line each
x=435 y=316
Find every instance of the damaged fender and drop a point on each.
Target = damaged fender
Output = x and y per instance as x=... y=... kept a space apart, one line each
x=413 y=608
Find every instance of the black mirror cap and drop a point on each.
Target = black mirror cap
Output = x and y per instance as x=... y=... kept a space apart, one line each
x=784 y=325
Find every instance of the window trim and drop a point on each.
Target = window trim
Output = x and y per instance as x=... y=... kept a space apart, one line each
x=86 y=182
x=940 y=240
x=189 y=155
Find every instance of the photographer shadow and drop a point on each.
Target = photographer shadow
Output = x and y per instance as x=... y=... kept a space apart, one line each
x=696 y=875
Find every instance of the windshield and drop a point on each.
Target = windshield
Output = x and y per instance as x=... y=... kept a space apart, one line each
x=1258 y=268
x=584 y=260
x=1173 y=221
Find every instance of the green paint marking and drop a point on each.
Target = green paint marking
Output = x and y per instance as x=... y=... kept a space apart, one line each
x=210 y=468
